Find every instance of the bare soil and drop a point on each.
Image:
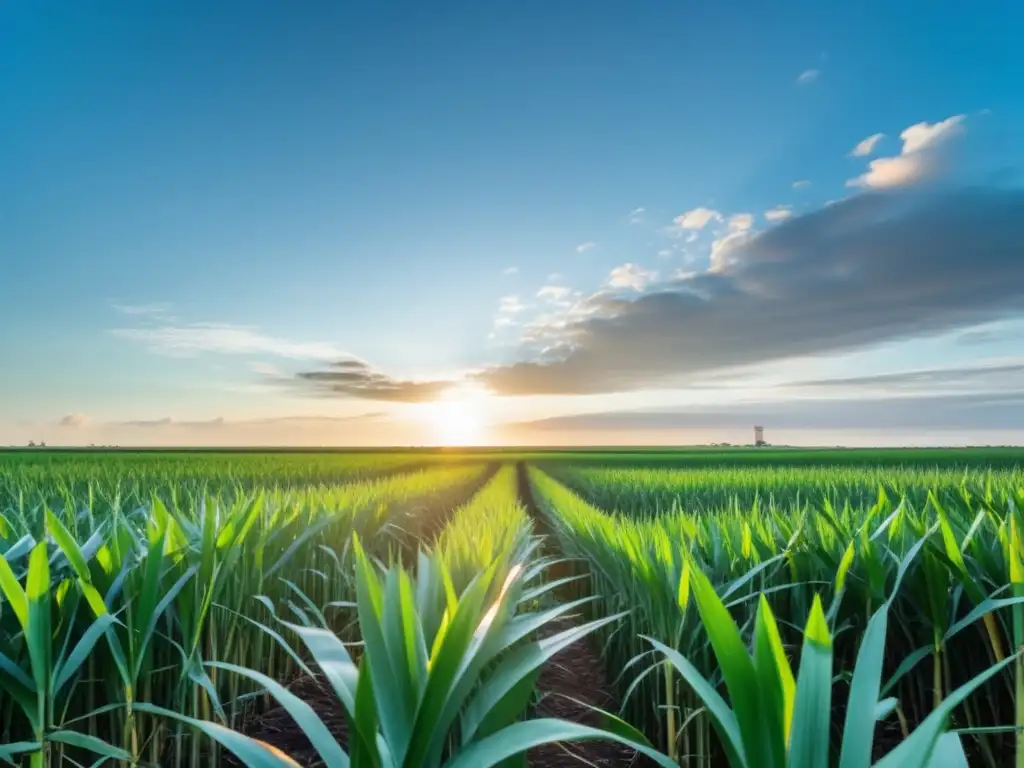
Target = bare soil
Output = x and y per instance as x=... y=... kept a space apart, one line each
x=276 y=727
x=569 y=682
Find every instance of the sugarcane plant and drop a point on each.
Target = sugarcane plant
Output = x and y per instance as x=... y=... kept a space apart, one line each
x=444 y=678
x=780 y=720
x=104 y=608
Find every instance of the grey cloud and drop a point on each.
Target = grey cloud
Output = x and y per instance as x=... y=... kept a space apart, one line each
x=952 y=412
x=1008 y=376
x=874 y=267
x=354 y=378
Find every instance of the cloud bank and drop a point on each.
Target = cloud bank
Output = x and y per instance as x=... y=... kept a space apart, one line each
x=871 y=268
x=875 y=267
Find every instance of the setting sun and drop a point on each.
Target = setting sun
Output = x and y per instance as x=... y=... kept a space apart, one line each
x=457 y=419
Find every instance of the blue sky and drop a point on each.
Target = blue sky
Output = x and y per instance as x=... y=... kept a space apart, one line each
x=200 y=203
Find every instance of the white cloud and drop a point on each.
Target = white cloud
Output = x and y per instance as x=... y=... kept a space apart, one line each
x=510 y=270
x=801 y=184
x=741 y=222
x=867 y=146
x=665 y=253
x=510 y=305
x=778 y=213
x=584 y=247
x=808 y=76
x=923 y=136
x=637 y=215
x=919 y=159
x=553 y=293
x=893 y=172
x=698 y=218
x=631 y=276
x=75 y=420
x=221 y=338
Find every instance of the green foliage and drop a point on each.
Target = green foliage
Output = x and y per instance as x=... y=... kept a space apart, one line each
x=118 y=601
x=770 y=541
x=784 y=608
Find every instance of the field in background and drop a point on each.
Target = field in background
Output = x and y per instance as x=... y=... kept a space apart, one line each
x=136 y=585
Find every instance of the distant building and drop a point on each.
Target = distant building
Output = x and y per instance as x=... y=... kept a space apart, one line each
x=759 y=436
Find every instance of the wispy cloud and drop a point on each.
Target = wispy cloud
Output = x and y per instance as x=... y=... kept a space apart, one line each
x=778 y=213
x=637 y=215
x=167 y=421
x=808 y=76
x=697 y=218
x=219 y=422
x=155 y=308
x=1005 y=375
x=801 y=184
x=509 y=308
x=920 y=159
x=225 y=339
x=265 y=369
x=510 y=270
x=993 y=333
x=510 y=305
x=866 y=146
x=584 y=247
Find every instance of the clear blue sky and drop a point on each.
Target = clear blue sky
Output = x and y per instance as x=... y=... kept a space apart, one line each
x=201 y=201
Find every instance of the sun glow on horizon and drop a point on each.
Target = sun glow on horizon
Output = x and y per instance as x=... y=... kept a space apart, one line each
x=458 y=418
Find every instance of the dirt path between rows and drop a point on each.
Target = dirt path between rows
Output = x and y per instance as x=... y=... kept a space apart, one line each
x=569 y=684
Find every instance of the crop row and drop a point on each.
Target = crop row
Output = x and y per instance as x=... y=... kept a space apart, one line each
x=109 y=607
x=953 y=553
x=142 y=627
x=645 y=491
x=55 y=477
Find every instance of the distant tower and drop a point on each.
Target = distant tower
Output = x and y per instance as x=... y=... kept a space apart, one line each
x=759 y=436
